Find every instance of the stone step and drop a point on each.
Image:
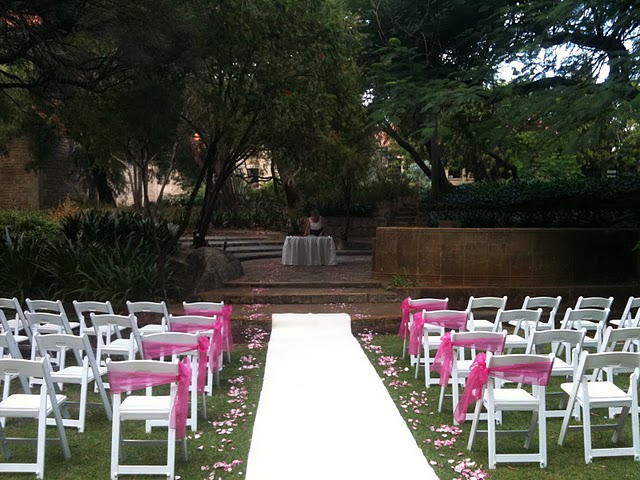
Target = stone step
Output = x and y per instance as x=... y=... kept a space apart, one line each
x=243 y=256
x=305 y=296
x=380 y=317
x=302 y=284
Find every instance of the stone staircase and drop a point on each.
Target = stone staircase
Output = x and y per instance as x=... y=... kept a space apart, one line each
x=406 y=215
x=269 y=245
x=269 y=287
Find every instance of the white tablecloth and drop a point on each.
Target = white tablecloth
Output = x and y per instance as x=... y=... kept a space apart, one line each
x=309 y=251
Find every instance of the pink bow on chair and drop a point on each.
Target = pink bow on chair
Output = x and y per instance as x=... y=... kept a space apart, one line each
x=443 y=361
x=120 y=382
x=452 y=322
x=534 y=373
x=225 y=316
x=429 y=305
x=154 y=349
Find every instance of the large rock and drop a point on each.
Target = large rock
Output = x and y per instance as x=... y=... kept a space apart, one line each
x=207 y=268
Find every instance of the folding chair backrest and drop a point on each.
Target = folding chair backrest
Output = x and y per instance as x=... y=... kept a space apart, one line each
x=177 y=338
x=202 y=306
x=616 y=360
x=56 y=342
x=51 y=306
x=549 y=306
x=419 y=302
x=555 y=338
x=631 y=315
x=159 y=308
x=8 y=345
x=112 y=321
x=530 y=317
x=616 y=336
x=487 y=302
x=497 y=362
x=145 y=366
x=447 y=319
x=196 y=321
x=594 y=302
x=13 y=306
x=480 y=341
x=84 y=308
x=35 y=320
x=573 y=317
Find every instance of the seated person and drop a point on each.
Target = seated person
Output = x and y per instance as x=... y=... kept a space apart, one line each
x=314 y=225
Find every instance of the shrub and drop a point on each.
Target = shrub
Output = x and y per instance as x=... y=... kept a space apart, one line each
x=579 y=203
x=21 y=260
x=28 y=225
x=110 y=227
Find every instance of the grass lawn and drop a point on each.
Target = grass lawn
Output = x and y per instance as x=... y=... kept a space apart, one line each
x=446 y=446
x=220 y=447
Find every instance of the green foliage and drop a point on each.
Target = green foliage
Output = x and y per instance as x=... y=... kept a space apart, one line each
x=261 y=208
x=398 y=281
x=108 y=228
x=605 y=203
x=30 y=225
x=101 y=256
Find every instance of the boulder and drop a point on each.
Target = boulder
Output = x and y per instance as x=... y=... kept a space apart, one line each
x=207 y=268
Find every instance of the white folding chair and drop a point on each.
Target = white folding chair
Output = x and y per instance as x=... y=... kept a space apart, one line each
x=176 y=345
x=122 y=347
x=592 y=319
x=212 y=326
x=152 y=309
x=412 y=305
x=50 y=323
x=5 y=326
x=465 y=347
x=528 y=318
x=426 y=334
x=599 y=303
x=51 y=306
x=85 y=373
x=589 y=393
x=132 y=375
x=9 y=349
x=84 y=309
x=630 y=316
x=621 y=339
x=212 y=308
x=35 y=406
x=549 y=306
x=16 y=321
x=523 y=369
x=543 y=341
x=483 y=311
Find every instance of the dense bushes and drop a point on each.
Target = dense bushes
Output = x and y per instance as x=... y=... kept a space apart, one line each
x=581 y=203
x=97 y=256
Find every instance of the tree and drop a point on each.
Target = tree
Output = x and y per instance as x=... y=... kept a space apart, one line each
x=262 y=67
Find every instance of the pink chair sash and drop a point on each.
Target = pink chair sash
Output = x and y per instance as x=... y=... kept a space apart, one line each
x=226 y=319
x=120 y=382
x=443 y=361
x=456 y=321
x=215 y=351
x=535 y=373
x=429 y=305
x=154 y=349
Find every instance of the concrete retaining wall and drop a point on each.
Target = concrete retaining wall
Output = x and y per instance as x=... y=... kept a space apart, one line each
x=506 y=256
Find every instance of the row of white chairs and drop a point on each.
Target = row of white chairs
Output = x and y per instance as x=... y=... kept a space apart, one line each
x=52 y=336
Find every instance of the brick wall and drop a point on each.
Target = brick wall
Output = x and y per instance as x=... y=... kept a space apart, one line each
x=18 y=188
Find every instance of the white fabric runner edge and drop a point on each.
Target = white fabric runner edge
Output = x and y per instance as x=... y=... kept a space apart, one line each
x=324 y=412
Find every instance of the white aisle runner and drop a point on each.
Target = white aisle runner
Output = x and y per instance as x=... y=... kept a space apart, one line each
x=324 y=412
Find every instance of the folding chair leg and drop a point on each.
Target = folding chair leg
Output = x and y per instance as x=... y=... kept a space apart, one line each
x=6 y=452
x=474 y=425
x=441 y=400
x=42 y=440
x=621 y=421
x=171 y=453
x=491 y=432
x=404 y=347
x=586 y=433
x=532 y=429
x=115 y=447
x=204 y=406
